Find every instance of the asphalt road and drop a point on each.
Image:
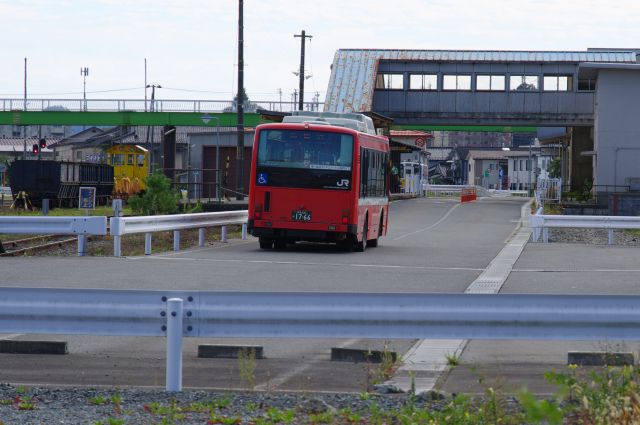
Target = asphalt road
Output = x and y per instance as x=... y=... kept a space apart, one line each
x=432 y=246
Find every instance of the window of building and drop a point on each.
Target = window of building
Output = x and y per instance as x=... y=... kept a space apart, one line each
x=523 y=83
x=492 y=166
x=515 y=165
x=456 y=82
x=586 y=85
x=117 y=159
x=390 y=81
x=423 y=82
x=490 y=82
x=558 y=83
x=78 y=155
x=130 y=159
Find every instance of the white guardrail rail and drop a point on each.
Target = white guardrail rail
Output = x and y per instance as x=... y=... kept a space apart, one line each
x=542 y=223
x=120 y=226
x=455 y=190
x=65 y=225
x=178 y=314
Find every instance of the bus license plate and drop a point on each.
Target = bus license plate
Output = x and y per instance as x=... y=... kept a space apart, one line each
x=301 y=215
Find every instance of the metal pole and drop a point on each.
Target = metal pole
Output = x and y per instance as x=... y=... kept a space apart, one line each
x=201 y=237
x=223 y=234
x=82 y=245
x=117 y=252
x=174 y=344
x=244 y=232
x=147 y=243
x=301 y=76
x=530 y=166
x=240 y=109
x=217 y=157
x=176 y=240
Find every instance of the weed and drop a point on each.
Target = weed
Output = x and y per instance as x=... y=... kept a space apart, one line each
x=22 y=390
x=453 y=360
x=247 y=365
x=97 y=400
x=322 y=418
x=6 y=402
x=281 y=416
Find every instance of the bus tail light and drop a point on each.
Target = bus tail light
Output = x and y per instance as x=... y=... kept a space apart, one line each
x=257 y=213
x=345 y=216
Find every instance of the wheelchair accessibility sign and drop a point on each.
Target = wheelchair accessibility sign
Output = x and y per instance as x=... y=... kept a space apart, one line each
x=262 y=178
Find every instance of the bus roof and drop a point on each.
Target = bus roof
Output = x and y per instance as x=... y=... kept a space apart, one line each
x=358 y=122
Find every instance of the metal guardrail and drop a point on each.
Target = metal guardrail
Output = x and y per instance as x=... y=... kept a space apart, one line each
x=542 y=223
x=142 y=105
x=455 y=190
x=66 y=225
x=178 y=314
x=120 y=226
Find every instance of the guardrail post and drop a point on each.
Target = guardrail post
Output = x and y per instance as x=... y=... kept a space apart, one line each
x=174 y=344
x=611 y=241
x=176 y=240
x=45 y=207
x=201 y=236
x=117 y=207
x=82 y=245
x=116 y=246
x=244 y=231
x=147 y=243
x=223 y=234
x=545 y=234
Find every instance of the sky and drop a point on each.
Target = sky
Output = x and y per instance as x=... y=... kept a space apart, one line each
x=191 y=45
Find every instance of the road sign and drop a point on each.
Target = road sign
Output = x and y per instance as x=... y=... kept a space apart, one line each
x=87 y=198
x=486 y=173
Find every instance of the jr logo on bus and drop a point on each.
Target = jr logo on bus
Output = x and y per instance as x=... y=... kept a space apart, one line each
x=343 y=183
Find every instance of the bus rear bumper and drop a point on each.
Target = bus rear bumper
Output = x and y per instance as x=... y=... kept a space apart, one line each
x=342 y=232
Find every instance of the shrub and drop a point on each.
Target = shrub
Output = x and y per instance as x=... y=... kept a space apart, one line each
x=159 y=198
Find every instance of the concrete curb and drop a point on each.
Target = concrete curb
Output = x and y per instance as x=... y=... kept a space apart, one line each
x=215 y=351
x=600 y=358
x=361 y=355
x=33 y=347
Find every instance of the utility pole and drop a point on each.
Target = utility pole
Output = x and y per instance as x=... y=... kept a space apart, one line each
x=303 y=37
x=240 y=110
x=152 y=109
x=24 y=128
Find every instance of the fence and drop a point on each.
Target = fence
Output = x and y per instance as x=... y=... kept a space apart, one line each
x=542 y=223
x=178 y=314
x=156 y=223
x=548 y=190
x=142 y=105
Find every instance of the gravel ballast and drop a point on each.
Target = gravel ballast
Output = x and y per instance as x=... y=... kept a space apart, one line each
x=42 y=405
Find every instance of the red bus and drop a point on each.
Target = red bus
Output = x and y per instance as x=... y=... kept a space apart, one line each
x=320 y=177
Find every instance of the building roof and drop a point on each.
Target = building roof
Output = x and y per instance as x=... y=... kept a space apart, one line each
x=353 y=71
x=486 y=154
x=409 y=133
x=439 y=154
x=16 y=144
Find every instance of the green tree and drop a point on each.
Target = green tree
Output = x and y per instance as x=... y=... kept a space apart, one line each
x=555 y=168
x=159 y=198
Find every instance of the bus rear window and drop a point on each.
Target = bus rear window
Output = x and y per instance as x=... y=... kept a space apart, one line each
x=305 y=149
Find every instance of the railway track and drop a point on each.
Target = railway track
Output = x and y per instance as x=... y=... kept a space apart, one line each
x=35 y=244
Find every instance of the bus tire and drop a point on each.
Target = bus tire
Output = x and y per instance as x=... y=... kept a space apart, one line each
x=265 y=243
x=279 y=244
x=360 y=246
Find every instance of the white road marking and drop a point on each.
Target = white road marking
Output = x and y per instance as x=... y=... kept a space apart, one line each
x=443 y=218
x=305 y=263
x=275 y=382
